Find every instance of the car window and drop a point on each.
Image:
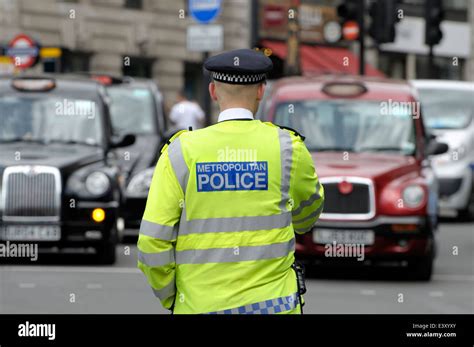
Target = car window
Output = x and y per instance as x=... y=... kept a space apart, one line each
x=48 y=119
x=348 y=125
x=132 y=110
x=447 y=109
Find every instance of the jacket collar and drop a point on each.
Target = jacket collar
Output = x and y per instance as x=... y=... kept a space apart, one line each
x=235 y=113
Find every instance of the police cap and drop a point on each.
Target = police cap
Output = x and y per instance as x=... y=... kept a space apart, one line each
x=240 y=66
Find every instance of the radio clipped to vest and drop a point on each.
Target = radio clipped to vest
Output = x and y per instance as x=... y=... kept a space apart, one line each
x=300 y=277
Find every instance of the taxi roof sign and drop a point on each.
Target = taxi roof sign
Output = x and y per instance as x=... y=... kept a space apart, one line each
x=344 y=89
x=33 y=84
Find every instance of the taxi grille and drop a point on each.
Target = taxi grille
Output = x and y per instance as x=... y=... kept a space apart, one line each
x=358 y=203
x=31 y=192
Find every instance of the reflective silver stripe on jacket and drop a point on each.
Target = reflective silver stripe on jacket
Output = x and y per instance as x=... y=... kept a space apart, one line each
x=156 y=259
x=180 y=168
x=235 y=254
x=166 y=291
x=286 y=158
x=158 y=231
x=229 y=224
x=314 y=197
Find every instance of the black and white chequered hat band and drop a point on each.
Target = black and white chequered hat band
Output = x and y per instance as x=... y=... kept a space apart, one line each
x=238 y=79
x=252 y=68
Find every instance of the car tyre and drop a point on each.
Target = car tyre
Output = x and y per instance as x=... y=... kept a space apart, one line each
x=467 y=214
x=422 y=269
x=106 y=254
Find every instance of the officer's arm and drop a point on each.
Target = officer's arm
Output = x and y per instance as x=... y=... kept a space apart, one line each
x=306 y=191
x=158 y=231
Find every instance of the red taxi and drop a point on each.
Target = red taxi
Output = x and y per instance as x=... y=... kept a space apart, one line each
x=371 y=153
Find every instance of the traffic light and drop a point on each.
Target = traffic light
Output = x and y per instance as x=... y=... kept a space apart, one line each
x=384 y=15
x=348 y=10
x=434 y=15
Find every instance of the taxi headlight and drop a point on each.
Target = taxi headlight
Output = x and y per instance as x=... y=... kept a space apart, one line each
x=413 y=196
x=97 y=183
x=140 y=183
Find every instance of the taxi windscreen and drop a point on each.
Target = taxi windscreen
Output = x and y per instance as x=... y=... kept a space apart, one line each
x=447 y=109
x=49 y=119
x=349 y=125
x=132 y=110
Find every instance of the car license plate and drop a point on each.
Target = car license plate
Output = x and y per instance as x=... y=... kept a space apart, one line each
x=32 y=233
x=325 y=236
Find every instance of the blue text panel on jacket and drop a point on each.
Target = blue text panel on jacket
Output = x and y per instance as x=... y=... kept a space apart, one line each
x=241 y=175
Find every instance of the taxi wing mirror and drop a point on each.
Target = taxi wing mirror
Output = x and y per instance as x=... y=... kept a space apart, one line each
x=123 y=141
x=435 y=147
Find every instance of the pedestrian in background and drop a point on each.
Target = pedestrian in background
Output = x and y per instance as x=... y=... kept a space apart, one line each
x=186 y=113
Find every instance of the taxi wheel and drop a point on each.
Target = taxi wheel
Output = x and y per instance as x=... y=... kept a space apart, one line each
x=106 y=253
x=467 y=214
x=422 y=269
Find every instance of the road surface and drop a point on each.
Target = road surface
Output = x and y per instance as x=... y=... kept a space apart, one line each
x=60 y=285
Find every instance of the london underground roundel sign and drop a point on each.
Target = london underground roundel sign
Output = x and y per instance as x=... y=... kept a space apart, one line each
x=23 y=50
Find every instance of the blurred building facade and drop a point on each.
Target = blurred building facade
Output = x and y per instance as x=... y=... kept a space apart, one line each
x=144 y=38
x=147 y=38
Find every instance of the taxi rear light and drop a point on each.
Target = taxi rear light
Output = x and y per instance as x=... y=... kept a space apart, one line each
x=33 y=84
x=344 y=89
x=405 y=227
x=104 y=80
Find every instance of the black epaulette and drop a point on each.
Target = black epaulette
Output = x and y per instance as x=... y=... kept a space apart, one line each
x=291 y=130
x=171 y=138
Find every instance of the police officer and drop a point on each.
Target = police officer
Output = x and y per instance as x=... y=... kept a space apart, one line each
x=218 y=232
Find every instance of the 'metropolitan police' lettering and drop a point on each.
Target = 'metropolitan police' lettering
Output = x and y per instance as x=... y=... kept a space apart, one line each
x=242 y=175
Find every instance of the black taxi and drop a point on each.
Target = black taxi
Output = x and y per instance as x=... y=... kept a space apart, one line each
x=136 y=107
x=59 y=187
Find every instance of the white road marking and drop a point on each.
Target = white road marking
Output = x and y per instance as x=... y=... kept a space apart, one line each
x=94 y=286
x=65 y=269
x=367 y=292
x=132 y=270
x=436 y=294
x=460 y=278
x=27 y=285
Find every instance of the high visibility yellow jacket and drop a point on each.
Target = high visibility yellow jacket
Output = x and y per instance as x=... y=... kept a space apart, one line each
x=217 y=235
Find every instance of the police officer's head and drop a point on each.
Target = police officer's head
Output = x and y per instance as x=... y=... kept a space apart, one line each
x=238 y=78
